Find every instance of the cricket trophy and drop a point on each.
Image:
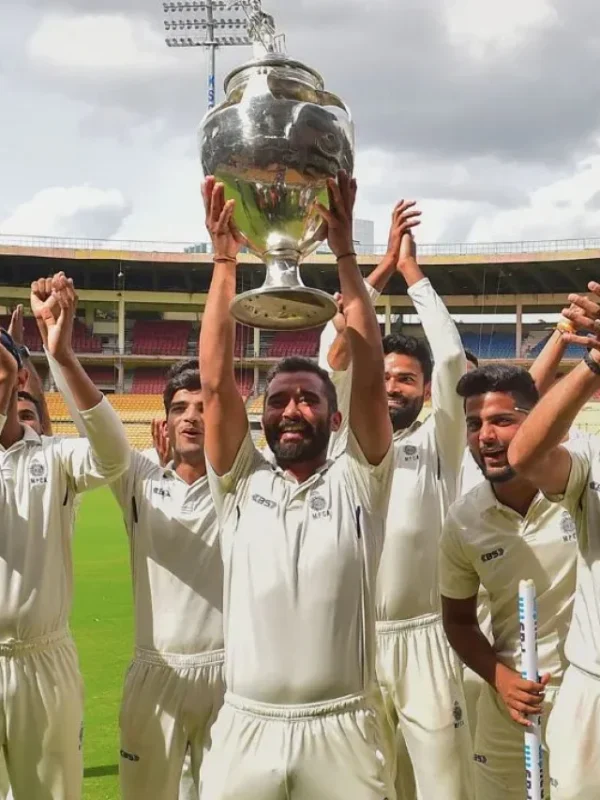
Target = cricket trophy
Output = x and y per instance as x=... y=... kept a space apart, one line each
x=273 y=142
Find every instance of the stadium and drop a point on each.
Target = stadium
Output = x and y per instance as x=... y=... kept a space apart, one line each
x=140 y=310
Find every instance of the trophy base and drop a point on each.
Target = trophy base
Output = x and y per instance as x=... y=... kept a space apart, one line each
x=284 y=309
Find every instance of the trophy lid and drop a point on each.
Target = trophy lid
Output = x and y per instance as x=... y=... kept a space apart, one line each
x=274 y=60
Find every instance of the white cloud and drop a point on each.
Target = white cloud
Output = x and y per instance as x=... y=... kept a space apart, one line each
x=485 y=27
x=98 y=42
x=78 y=211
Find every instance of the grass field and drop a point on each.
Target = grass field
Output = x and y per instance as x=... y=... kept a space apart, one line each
x=102 y=626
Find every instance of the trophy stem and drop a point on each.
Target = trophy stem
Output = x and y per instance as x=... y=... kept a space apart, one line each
x=283 y=302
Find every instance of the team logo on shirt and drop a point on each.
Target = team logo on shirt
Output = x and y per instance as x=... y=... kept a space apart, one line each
x=161 y=491
x=479 y=758
x=38 y=473
x=568 y=527
x=411 y=453
x=457 y=713
x=318 y=506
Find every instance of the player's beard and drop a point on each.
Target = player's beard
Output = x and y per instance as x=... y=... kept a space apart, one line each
x=313 y=444
x=404 y=415
x=496 y=474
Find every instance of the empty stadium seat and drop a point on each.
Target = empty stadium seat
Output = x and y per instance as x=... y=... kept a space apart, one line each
x=160 y=337
x=294 y=343
x=492 y=345
x=149 y=381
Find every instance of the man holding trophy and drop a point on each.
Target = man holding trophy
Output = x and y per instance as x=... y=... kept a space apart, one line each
x=301 y=543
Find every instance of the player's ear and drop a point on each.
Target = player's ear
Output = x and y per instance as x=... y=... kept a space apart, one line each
x=22 y=379
x=335 y=422
x=427 y=392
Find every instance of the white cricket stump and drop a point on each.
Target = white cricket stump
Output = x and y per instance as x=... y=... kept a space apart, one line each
x=534 y=764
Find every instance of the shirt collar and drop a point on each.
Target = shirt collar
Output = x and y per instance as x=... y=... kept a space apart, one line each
x=29 y=437
x=399 y=435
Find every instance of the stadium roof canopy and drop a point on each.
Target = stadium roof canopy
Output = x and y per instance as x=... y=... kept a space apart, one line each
x=520 y=268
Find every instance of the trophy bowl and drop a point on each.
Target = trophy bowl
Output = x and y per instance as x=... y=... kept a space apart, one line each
x=273 y=142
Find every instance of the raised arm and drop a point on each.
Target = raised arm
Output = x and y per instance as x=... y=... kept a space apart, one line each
x=334 y=350
x=449 y=360
x=369 y=418
x=8 y=381
x=543 y=369
x=104 y=455
x=535 y=452
x=225 y=419
x=34 y=383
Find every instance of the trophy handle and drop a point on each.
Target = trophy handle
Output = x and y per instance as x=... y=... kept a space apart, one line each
x=283 y=302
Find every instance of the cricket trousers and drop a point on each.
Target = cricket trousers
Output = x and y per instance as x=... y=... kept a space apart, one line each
x=322 y=751
x=169 y=705
x=573 y=738
x=41 y=718
x=427 y=726
x=499 y=749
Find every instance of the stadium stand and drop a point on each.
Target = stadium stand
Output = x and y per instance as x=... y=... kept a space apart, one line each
x=490 y=345
x=298 y=343
x=161 y=338
x=147 y=380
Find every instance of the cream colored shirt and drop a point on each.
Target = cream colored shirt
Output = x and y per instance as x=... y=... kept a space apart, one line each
x=582 y=501
x=487 y=544
x=300 y=564
x=176 y=562
x=427 y=462
x=39 y=479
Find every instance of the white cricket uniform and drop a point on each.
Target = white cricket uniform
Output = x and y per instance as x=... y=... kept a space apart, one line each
x=299 y=611
x=187 y=786
x=487 y=544
x=574 y=726
x=419 y=673
x=174 y=687
x=41 y=687
x=471 y=476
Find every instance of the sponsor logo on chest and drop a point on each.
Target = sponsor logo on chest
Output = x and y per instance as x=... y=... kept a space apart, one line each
x=410 y=453
x=263 y=501
x=493 y=555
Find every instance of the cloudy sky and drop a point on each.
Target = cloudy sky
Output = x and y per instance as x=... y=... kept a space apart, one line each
x=488 y=112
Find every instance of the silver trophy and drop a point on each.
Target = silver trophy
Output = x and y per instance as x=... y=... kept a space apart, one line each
x=273 y=143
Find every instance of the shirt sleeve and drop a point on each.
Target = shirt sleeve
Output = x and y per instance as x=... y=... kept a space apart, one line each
x=227 y=489
x=100 y=458
x=449 y=364
x=458 y=578
x=370 y=484
x=581 y=458
x=341 y=380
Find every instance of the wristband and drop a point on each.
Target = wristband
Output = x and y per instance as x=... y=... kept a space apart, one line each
x=591 y=364
x=226 y=259
x=346 y=255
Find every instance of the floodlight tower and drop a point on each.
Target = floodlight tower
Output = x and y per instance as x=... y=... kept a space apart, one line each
x=219 y=23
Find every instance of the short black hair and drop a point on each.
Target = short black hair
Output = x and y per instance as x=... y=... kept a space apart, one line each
x=29 y=398
x=300 y=364
x=410 y=346
x=187 y=365
x=188 y=379
x=472 y=358
x=515 y=381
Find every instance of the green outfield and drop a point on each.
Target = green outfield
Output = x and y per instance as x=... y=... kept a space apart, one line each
x=102 y=625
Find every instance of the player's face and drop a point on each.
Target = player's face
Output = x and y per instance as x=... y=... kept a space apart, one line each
x=28 y=415
x=185 y=423
x=296 y=420
x=406 y=389
x=492 y=422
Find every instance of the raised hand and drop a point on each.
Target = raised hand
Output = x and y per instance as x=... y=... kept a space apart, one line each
x=583 y=314
x=160 y=438
x=9 y=369
x=226 y=239
x=522 y=697
x=339 y=321
x=339 y=216
x=54 y=301
x=15 y=328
